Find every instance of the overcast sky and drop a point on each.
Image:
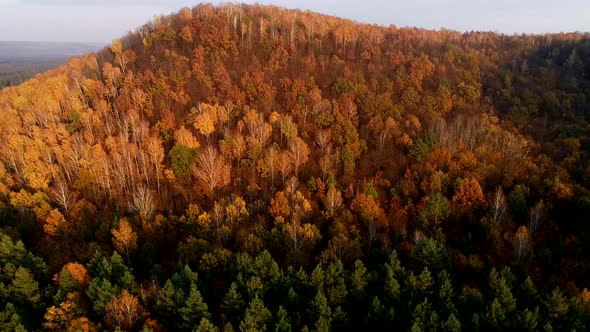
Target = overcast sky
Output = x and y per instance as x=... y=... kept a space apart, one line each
x=104 y=20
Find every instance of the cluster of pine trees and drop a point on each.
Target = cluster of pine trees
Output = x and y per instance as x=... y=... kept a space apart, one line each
x=249 y=167
x=239 y=291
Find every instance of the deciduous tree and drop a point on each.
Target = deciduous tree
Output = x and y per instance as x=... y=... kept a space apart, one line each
x=211 y=169
x=124 y=311
x=124 y=238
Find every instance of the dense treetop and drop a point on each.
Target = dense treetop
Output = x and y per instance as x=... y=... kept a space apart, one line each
x=250 y=167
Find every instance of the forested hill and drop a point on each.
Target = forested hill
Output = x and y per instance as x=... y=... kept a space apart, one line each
x=252 y=168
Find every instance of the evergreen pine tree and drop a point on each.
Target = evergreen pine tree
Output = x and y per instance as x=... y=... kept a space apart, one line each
x=359 y=277
x=528 y=295
x=283 y=324
x=392 y=286
x=256 y=317
x=166 y=304
x=556 y=304
x=319 y=308
x=10 y=320
x=100 y=291
x=195 y=309
x=445 y=292
x=233 y=304
x=205 y=326
x=255 y=287
x=529 y=320
x=475 y=322
x=426 y=315
x=376 y=310
x=496 y=315
x=452 y=324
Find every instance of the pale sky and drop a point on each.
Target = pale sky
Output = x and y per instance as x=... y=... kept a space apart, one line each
x=104 y=20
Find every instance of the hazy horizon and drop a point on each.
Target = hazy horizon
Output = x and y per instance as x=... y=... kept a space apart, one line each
x=96 y=21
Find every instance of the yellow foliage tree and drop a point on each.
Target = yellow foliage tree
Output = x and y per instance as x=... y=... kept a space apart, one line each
x=205 y=124
x=55 y=223
x=124 y=238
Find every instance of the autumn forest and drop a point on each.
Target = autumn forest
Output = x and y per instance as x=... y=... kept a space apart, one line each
x=251 y=168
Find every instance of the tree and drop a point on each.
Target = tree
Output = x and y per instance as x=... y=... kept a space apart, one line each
x=518 y=201
x=469 y=194
x=528 y=319
x=496 y=315
x=332 y=200
x=256 y=317
x=100 y=291
x=10 y=320
x=23 y=286
x=181 y=159
x=359 y=277
x=556 y=304
x=155 y=151
x=289 y=209
x=299 y=153
x=425 y=318
x=452 y=324
x=497 y=208
x=124 y=311
x=279 y=206
x=206 y=326
x=271 y=162
x=124 y=238
x=521 y=244
x=536 y=215
x=330 y=280
x=56 y=224
x=195 y=309
x=499 y=284
x=496 y=215
x=205 y=124
x=421 y=283
x=393 y=271
x=235 y=210
x=432 y=254
x=211 y=169
x=143 y=203
x=60 y=318
x=285 y=165
x=233 y=304
x=63 y=196
x=445 y=292
x=14 y=254
x=370 y=213
x=122 y=58
x=435 y=210
x=260 y=130
x=167 y=305
x=235 y=146
x=73 y=277
x=320 y=310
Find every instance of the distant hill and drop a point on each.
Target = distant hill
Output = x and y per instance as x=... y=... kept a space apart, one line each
x=20 y=60
x=25 y=50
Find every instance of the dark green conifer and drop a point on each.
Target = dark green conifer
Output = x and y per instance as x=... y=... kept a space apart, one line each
x=256 y=317
x=195 y=309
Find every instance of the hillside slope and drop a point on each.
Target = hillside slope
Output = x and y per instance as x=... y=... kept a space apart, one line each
x=296 y=161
